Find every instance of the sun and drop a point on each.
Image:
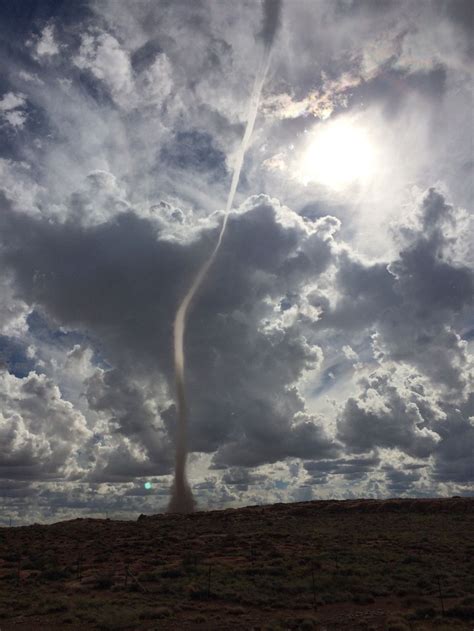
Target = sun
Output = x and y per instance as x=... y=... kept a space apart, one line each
x=338 y=154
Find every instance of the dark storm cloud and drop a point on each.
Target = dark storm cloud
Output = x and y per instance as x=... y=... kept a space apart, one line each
x=400 y=481
x=256 y=442
x=366 y=292
x=240 y=478
x=405 y=414
x=271 y=20
x=120 y=282
x=128 y=408
x=385 y=415
x=349 y=468
x=413 y=302
x=44 y=331
x=119 y=107
x=392 y=87
x=454 y=458
x=422 y=273
x=433 y=290
x=462 y=13
x=143 y=57
x=16 y=489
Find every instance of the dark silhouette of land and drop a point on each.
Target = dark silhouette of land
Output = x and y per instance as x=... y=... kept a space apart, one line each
x=358 y=564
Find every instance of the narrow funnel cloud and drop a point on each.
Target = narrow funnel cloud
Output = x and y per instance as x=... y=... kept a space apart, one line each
x=182 y=500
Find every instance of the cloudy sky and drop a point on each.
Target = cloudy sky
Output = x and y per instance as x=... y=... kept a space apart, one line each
x=328 y=352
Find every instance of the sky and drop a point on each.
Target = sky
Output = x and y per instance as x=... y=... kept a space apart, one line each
x=329 y=351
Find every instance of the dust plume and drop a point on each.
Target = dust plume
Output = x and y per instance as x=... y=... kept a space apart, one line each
x=182 y=500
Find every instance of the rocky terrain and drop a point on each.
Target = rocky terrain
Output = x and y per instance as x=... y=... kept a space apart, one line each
x=381 y=565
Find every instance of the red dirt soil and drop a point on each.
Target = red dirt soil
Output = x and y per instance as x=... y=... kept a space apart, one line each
x=356 y=564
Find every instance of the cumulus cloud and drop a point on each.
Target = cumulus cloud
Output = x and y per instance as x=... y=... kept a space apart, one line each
x=46 y=46
x=233 y=337
x=434 y=290
x=100 y=198
x=329 y=351
x=12 y=109
x=387 y=414
x=130 y=413
x=350 y=468
x=39 y=430
x=415 y=302
x=102 y=55
x=110 y=63
x=13 y=312
x=454 y=462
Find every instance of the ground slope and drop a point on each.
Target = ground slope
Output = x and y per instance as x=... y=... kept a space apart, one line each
x=366 y=564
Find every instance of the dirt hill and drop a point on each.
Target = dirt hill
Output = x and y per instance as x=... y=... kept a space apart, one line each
x=360 y=564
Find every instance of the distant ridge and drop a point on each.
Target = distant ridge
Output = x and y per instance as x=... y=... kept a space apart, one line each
x=409 y=505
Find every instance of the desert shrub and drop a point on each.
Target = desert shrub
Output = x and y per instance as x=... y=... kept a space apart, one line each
x=85 y=604
x=115 y=620
x=172 y=573
x=464 y=612
x=416 y=601
x=104 y=581
x=397 y=625
x=55 y=606
x=255 y=571
x=189 y=559
x=156 y=613
x=86 y=616
x=149 y=577
x=468 y=601
x=67 y=620
x=55 y=574
x=236 y=611
x=275 y=570
x=197 y=593
x=9 y=576
x=421 y=613
x=11 y=557
x=423 y=584
x=101 y=558
x=36 y=562
x=363 y=599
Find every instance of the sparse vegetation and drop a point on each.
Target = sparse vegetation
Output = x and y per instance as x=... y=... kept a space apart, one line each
x=287 y=567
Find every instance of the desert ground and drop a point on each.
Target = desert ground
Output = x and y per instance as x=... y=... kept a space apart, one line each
x=391 y=565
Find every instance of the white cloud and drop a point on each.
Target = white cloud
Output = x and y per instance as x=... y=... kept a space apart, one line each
x=11 y=101
x=47 y=46
x=12 y=109
x=102 y=54
x=13 y=312
x=40 y=431
x=29 y=77
x=155 y=83
x=116 y=195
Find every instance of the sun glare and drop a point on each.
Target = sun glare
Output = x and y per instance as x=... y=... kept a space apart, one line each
x=339 y=153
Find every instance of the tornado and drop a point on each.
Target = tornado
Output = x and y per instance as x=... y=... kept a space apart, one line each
x=182 y=500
